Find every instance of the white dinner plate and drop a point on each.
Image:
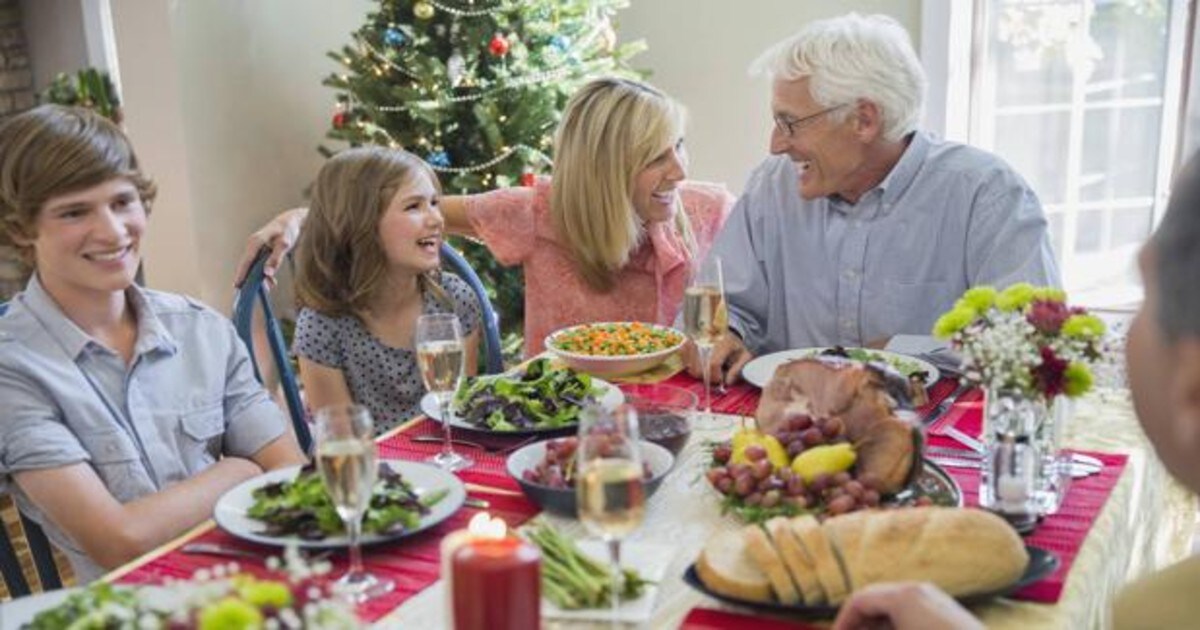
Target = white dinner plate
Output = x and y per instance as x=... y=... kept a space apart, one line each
x=610 y=397
x=761 y=369
x=230 y=511
x=17 y=612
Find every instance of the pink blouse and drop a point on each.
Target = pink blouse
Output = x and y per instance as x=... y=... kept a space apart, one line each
x=515 y=224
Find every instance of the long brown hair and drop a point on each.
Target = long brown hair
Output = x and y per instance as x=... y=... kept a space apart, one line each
x=341 y=263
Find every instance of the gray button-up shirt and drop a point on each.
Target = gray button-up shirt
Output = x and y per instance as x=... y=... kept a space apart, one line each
x=802 y=273
x=188 y=397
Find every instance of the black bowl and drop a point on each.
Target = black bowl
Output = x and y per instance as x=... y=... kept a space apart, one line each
x=562 y=500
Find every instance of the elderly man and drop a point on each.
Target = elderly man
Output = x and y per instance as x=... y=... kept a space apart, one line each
x=860 y=227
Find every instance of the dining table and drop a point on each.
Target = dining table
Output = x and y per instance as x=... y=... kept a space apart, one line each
x=1113 y=527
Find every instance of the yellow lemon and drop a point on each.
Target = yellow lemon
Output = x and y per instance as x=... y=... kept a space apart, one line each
x=827 y=459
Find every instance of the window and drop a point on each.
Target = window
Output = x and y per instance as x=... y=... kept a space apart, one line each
x=1083 y=98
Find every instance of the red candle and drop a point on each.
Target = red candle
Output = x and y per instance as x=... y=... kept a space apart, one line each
x=496 y=584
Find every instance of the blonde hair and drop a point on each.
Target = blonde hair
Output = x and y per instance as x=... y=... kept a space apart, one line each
x=611 y=130
x=53 y=150
x=341 y=262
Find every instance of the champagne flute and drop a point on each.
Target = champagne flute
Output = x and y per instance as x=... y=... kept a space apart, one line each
x=440 y=355
x=705 y=319
x=346 y=460
x=610 y=490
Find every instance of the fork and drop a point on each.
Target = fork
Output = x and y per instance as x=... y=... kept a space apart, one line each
x=496 y=450
x=216 y=549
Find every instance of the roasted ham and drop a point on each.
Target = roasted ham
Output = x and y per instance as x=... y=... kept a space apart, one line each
x=864 y=397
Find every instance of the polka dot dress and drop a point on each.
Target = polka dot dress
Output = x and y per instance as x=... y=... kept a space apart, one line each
x=384 y=379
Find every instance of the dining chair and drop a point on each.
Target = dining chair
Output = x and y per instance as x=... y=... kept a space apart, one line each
x=493 y=355
x=253 y=291
x=43 y=560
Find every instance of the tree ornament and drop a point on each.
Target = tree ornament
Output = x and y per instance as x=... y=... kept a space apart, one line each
x=423 y=10
x=456 y=67
x=498 y=46
x=394 y=37
x=339 y=115
x=528 y=178
x=439 y=159
x=561 y=43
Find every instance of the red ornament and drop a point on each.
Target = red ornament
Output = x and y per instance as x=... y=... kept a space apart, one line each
x=528 y=179
x=339 y=120
x=498 y=46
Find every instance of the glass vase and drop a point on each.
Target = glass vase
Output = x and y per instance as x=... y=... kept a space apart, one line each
x=1024 y=475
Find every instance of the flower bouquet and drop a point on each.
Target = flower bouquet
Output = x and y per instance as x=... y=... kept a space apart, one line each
x=1027 y=348
x=1024 y=340
x=296 y=595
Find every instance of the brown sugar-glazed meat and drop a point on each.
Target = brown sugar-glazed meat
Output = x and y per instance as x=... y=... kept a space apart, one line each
x=862 y=396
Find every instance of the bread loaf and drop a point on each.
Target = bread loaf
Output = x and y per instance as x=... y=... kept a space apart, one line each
x=962 y=551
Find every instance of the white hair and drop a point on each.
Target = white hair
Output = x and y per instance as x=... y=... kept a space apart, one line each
x=853 y=57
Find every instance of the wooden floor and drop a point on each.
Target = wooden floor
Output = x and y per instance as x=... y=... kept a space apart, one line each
x=12 y=523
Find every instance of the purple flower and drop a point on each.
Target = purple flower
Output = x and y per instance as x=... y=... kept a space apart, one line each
x=1048 y=377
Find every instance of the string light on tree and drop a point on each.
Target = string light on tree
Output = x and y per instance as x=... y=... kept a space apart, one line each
x=423 y=10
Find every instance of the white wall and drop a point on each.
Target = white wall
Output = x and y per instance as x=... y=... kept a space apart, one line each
x=56 y=40
x=225 y=104
x=699 y=53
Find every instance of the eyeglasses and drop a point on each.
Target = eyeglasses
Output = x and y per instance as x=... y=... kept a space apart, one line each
x=788 y=126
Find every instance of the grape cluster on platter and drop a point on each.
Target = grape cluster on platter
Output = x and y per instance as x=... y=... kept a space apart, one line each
x=762 y=479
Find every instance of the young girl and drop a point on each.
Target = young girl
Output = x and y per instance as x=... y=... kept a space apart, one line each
x=614 y=235
x=127 y=412
x=367 y=268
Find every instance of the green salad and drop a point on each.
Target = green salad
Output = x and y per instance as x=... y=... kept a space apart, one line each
x=301 y=507
x=98 y=606
x=900 y=364
x=540 y=397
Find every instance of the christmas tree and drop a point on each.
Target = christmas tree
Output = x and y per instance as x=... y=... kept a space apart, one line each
x=475 y=87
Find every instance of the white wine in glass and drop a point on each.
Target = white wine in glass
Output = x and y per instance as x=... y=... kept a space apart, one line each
x=705 y=319
x=440 y=356
x=347 y=462
x=610 y=484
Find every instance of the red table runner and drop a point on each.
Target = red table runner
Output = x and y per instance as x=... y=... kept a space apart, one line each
x=412 y=563
x=713 y=619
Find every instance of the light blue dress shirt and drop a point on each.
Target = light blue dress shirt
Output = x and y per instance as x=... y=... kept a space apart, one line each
x=802 y=273
x=188 y=397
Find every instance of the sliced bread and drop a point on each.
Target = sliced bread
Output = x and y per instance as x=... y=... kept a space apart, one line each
x=725 y=567
x=797 y=561
x=829 y=571
x=768 y=558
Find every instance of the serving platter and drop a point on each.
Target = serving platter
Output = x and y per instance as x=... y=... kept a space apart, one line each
x=1042 y=563
x=231 y=509
x=760 y=370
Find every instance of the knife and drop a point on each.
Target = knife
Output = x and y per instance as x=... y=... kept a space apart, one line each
x=944 y=406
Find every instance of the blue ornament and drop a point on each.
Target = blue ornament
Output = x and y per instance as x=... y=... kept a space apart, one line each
x=394 y=37
x=439 y=159
x=560 y=43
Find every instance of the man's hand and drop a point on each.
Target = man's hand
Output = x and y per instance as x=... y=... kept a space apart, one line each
x=726 y=361
x=280 y=235
x=904 y=606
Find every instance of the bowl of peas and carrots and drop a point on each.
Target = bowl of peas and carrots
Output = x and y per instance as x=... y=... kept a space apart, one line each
x=615 y=348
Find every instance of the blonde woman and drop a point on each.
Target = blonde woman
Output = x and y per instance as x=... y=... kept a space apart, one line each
x=613 y=235
x=367 y=268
